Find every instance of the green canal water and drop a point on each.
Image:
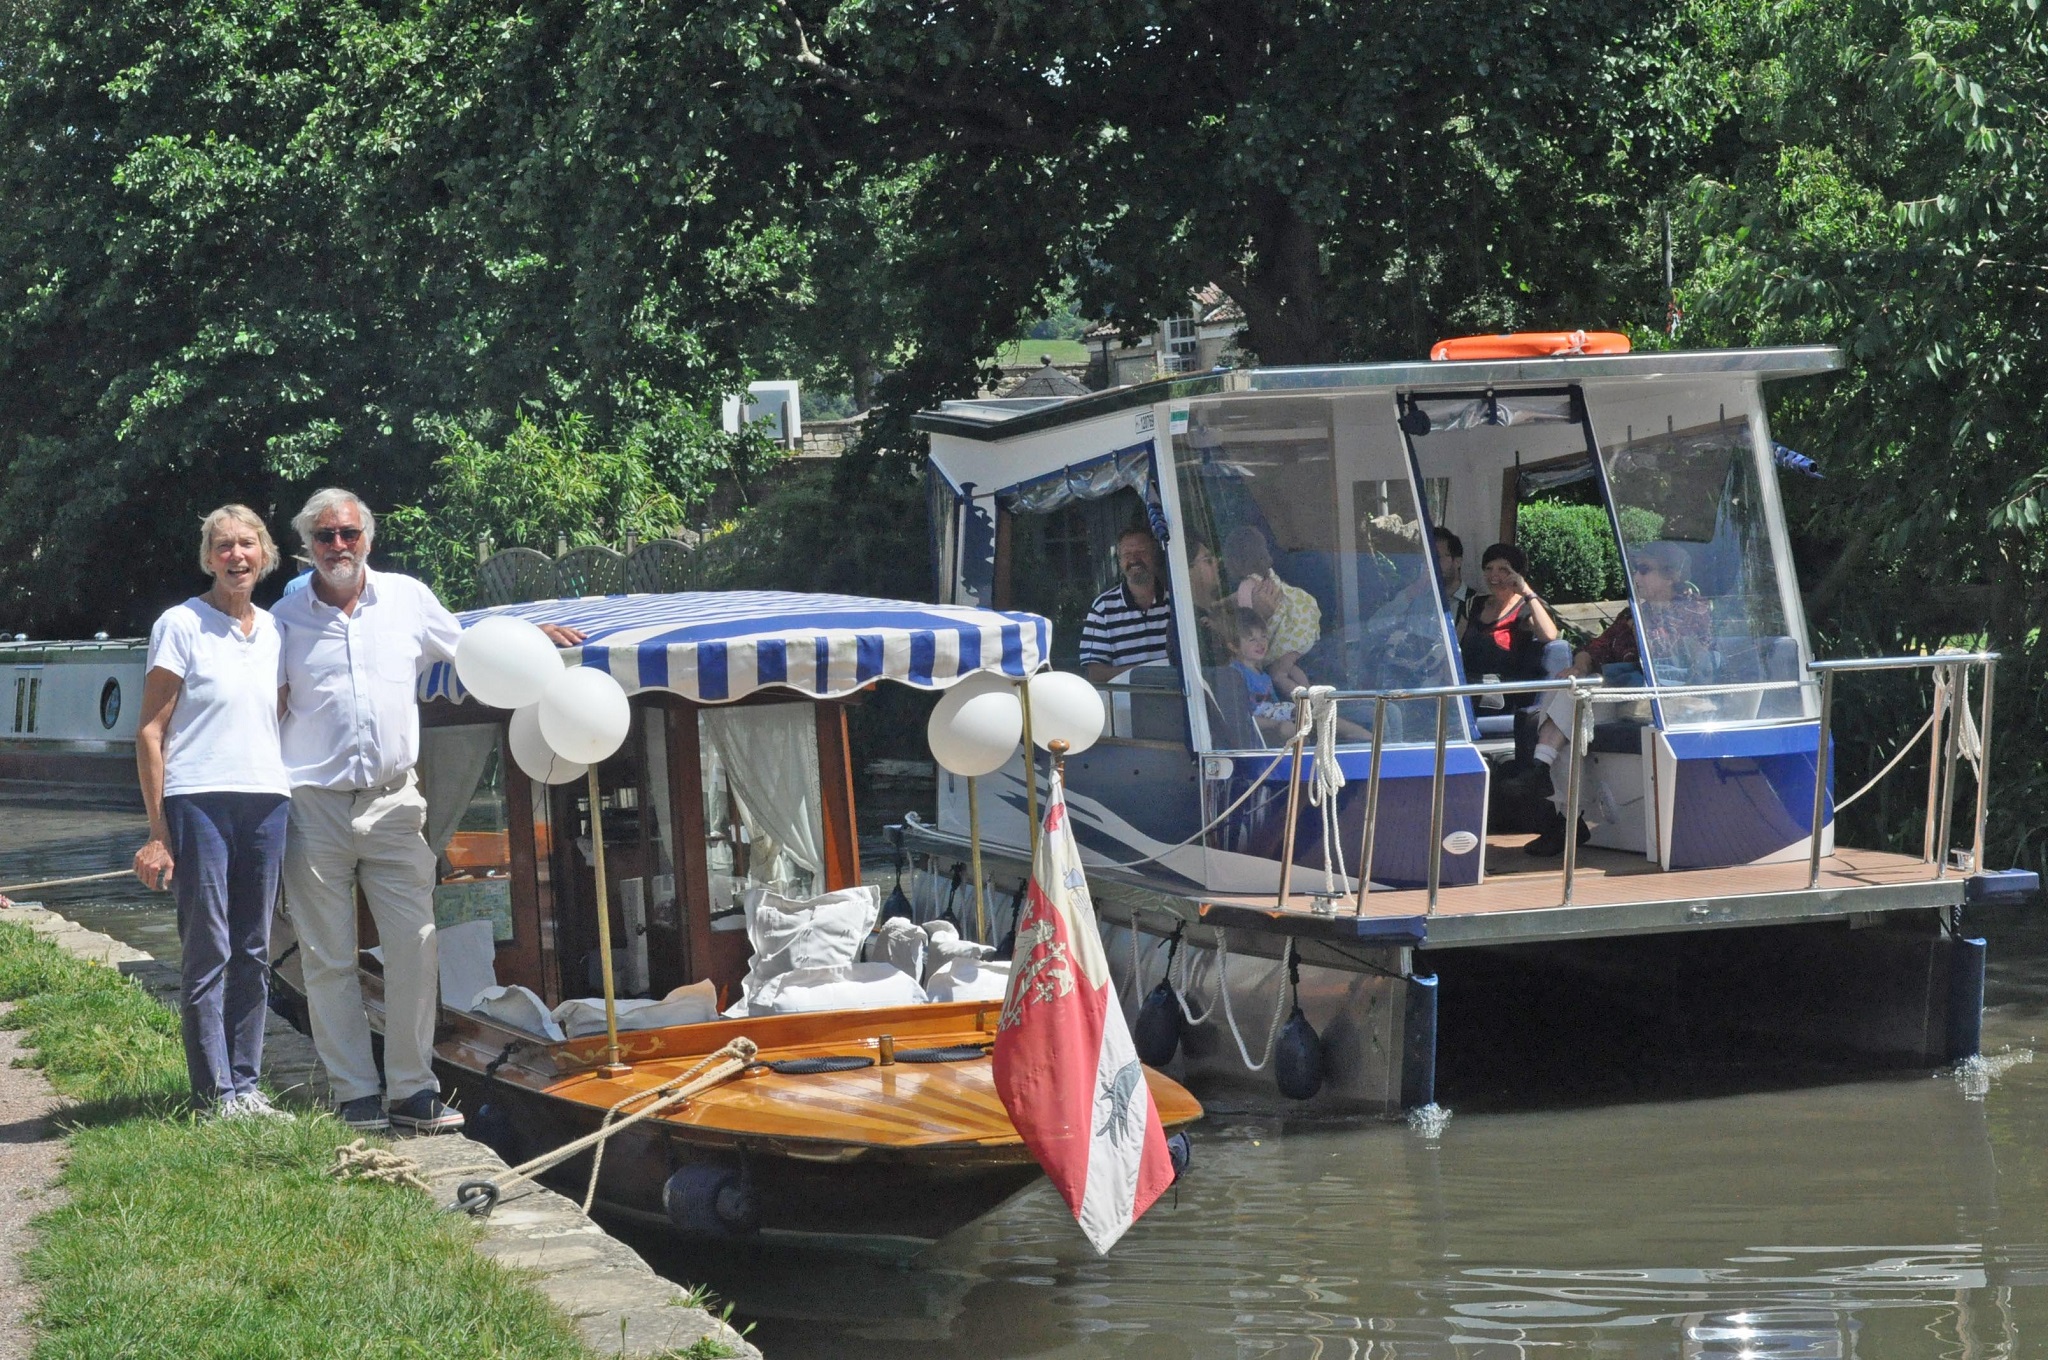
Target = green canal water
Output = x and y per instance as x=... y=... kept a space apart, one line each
x=1665 y=1203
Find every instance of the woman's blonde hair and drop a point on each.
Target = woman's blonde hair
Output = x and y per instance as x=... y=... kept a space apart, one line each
x=240 y=514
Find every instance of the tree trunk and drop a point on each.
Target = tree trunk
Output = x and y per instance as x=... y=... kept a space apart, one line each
x=1281 y=287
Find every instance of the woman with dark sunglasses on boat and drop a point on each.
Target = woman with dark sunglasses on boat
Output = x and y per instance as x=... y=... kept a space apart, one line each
x=214 y=785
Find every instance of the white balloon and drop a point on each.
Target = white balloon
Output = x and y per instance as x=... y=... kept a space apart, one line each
x=976 y=737
x=531 y=752
x=584 y=714
x=976 y=682
x=506 y=662
x=1064 y=707
x=980 y=682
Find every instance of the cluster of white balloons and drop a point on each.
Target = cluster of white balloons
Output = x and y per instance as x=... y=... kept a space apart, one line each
x=976 y=727
x=564 y=718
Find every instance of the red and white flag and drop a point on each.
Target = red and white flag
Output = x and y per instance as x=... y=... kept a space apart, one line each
x=1064 y=1064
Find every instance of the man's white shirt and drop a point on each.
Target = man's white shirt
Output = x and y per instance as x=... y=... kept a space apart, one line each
x=352 y=716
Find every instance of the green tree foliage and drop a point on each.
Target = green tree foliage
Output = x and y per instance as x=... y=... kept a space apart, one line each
x=256 y=247
x=1360 y=177
x=1572 y=557
x=1877 y=181
x=549 y=483
x=1571 y=552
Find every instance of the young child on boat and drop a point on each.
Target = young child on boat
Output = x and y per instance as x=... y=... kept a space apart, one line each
x=1248 y=645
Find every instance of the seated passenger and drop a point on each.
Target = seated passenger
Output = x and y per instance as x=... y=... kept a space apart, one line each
x=1506 y=630
x=1248 y=646
x=1679 y=626
x=1459 y=598
x=1131 y=623
x=1294 y=621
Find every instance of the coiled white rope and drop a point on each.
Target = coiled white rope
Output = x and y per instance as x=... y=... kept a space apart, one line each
x=1318 y=704
x=1969 y=742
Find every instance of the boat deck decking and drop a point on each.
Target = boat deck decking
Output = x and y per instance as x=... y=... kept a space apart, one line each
x=1613 y=893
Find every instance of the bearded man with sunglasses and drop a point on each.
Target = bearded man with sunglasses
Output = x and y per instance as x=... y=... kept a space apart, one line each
x=355 y=642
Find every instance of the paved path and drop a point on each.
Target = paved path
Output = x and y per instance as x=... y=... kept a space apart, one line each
x=31 y=1155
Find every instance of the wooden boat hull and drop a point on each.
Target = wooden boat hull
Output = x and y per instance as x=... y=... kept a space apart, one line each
x=885 y=1158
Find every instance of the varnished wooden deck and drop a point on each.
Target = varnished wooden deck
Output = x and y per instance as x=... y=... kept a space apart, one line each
x=1613 y=893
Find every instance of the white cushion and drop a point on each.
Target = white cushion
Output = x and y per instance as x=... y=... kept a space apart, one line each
x=948 y=948
x=691 y=1005
x=520 y=1008
x=468 y=955
x=969 y=979
x=818 y=932
x=901 y=942
x=848 y=987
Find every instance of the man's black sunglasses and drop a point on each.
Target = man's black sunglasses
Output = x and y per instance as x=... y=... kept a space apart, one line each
x=348 y=535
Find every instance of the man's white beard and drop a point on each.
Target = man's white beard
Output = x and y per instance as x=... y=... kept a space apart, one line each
x=339 y=578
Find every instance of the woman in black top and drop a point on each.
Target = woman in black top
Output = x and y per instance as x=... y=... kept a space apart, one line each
x=1506 y=630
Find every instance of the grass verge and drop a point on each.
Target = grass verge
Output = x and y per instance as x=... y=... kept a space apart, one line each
x=206 y=1240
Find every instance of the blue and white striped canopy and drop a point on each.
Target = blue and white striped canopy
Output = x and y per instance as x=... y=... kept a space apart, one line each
x=717 y=646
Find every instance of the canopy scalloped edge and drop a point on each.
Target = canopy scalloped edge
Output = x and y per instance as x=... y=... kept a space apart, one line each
x=721 y=646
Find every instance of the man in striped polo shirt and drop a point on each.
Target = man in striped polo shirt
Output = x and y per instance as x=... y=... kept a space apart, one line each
x=1129 y=624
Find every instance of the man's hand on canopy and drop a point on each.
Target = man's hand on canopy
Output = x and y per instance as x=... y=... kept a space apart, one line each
x=561 y=636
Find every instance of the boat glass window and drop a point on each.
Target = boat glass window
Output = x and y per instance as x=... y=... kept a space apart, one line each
x=1706 y=582
x=660 y=890
x=462 y=776
x=1315 y=496
x=763 y=805
x=1061 y=559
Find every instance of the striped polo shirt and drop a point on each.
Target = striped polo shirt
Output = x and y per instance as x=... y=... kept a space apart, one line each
x=1121 y=633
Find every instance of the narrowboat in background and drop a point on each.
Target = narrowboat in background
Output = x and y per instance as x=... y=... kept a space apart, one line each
x=68 y=713
x=1401 y=892
x=873 y=1125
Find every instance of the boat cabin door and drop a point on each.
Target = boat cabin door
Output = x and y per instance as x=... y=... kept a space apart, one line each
x=703 y=803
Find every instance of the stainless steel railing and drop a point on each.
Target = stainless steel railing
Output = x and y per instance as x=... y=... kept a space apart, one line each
x=1945 y=747
x=1587 y=691
x=1580 y=687
x=1941 y=764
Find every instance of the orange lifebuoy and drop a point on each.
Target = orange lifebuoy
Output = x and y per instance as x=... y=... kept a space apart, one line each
x=1530 y=345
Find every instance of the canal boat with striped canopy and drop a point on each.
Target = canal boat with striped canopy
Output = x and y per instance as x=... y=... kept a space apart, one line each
x=866 y=1115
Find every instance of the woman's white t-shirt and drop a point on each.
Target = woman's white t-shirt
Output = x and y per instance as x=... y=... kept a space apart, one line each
x=223 y=729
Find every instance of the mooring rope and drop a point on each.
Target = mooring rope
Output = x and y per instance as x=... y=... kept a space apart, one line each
x=358 y=1161
x=1319 y=705
x=1951 y=691
x=65 y=882
x=1280 y=995
x=1258 y=782
x=1186 y=983
x=478 y=1197
x=606 y=1129
x=1890 y=765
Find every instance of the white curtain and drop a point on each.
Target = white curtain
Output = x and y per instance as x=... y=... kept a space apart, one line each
x=769 y=756
x=452 y=764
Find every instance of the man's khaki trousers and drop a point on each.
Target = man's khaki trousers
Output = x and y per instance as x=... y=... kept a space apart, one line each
x=371 y=837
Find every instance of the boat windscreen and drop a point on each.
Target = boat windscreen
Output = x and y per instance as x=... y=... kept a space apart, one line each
x=1325 y=564
x=1705 y=557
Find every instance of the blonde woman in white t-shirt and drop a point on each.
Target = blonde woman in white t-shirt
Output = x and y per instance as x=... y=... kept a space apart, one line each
x=214 y=784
